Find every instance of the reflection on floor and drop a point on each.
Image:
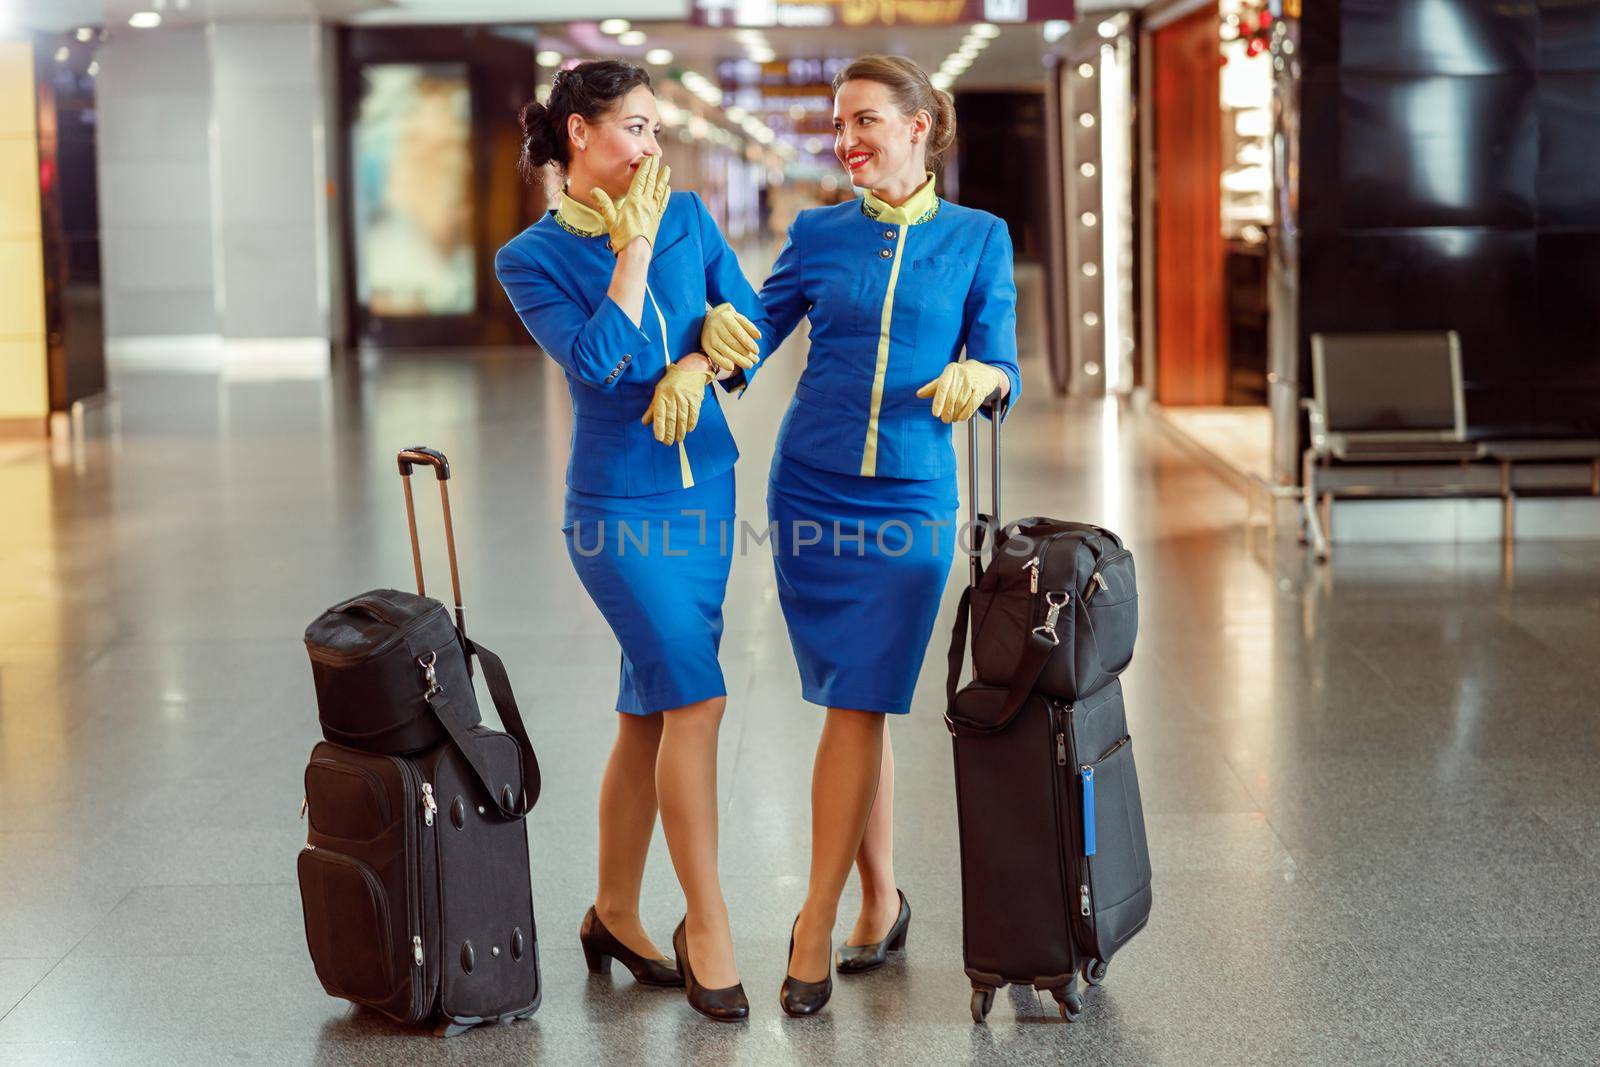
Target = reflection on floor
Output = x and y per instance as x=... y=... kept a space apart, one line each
x=1238 y=437
x=1370 y=789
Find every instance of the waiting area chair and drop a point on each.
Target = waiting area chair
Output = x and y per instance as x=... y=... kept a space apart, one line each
x=1388 y=419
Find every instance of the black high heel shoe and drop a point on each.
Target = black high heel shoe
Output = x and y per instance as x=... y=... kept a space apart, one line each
x=600 y=947
x=859 y=959
x=725 y=1005
x=803 y=998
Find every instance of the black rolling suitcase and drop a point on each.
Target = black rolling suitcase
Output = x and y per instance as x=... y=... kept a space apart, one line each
x=1055 y=869
x=415 y=878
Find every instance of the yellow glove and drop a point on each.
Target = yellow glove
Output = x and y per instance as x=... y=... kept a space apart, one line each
x=961 y=389
x=675 y=408
x=637 y=214
x=729 y=339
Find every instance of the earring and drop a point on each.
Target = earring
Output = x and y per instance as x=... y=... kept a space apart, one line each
x=913 y=138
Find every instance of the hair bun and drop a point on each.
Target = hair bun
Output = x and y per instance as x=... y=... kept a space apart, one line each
x=538 y=139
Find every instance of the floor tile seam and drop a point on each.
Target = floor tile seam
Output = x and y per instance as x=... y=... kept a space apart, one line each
x=57 y=965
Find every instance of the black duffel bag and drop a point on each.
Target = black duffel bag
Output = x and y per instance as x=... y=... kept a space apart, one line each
x=1056 y=610
x=392 y=676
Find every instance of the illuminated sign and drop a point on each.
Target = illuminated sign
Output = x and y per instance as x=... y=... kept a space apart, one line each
x=824 y=13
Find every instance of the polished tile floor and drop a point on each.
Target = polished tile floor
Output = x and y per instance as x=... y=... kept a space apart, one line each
x=1372 y=793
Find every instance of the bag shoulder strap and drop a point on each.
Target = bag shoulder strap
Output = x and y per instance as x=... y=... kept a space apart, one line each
x=505 y=703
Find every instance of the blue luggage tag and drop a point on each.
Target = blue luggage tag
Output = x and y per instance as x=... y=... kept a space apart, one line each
x=1088 y=810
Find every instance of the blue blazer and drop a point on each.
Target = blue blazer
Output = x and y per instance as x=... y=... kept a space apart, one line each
x=557 y=281
x=855 y=411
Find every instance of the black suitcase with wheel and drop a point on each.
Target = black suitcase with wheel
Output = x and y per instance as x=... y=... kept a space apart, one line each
x=415 y=879
x=1055 y=869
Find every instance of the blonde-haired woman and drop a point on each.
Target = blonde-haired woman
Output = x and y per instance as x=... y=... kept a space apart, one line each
x=862 y=492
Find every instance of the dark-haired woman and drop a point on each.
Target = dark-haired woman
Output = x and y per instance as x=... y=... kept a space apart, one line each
x=613 y=284
x=863 y=487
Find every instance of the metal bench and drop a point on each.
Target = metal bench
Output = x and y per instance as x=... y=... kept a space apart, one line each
x=1388 y=420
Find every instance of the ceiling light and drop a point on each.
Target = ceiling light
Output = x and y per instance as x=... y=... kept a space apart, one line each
x=85 y=34
x=942 y=81
x=542 y=94
x=549 y=59
x=1108 y=29
x=761 y=55
x=986 y=30
x=659 y=56
x=94 y=68
x=1055 y=29
x=1090 y=270
x=738 y=114
x=1085 y=70
x=966 y=51
x=1089 y=218
x=1087 y=170
x=63 y=54
x=615 y=26
x=631 y=38
x=144 y=20
x=1086 y=120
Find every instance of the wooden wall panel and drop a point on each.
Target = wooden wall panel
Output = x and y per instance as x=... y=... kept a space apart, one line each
x=1191 y=325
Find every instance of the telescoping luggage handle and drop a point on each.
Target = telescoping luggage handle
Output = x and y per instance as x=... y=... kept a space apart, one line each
x=505 y=702
x=409 y=457
x=983 y=527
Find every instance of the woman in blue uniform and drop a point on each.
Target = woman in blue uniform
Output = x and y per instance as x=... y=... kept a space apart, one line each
x=862 y=492
x=613 y=284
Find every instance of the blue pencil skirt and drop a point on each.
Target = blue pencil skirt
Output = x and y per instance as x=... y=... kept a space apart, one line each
x=657 y=568
x=859 y=597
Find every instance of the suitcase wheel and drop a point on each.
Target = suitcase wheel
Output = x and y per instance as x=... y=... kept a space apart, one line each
x=1094 y=972
x=1069 y=1001
x=982 y=1001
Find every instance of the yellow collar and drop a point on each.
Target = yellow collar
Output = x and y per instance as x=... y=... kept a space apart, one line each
x=922 y=206
x=579 y=218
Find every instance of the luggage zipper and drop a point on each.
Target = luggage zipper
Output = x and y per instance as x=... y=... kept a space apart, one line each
x=1078 y=846
x=410 y=778
x=1059 y=718
x=1032 y=567
x=429 y=805
x=1098 y=580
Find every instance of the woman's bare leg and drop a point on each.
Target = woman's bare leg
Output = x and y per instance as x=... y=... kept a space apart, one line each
x=880 y=899
x=843 y=784
x=686 y=785
x=627 y=822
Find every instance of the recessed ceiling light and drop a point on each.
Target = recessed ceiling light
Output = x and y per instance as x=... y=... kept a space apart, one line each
x=144 y=20
x=762 y=55
x=1055 y=29
x=659 y=56
x=987 y=30
x=615 y=26
x=631 y=38
x=85 y=34
x=1108 y=29
x=549 y=59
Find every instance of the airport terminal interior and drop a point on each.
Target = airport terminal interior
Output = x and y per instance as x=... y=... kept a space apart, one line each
x=248 y=249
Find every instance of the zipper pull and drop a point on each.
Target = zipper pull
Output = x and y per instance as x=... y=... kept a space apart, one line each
x=1083 y=901
x=416 y=949
x=1032 y=567
x=429 y=806
x=1099 y=582
x=1087 y=772
x=305 y=802
x=1061 y=750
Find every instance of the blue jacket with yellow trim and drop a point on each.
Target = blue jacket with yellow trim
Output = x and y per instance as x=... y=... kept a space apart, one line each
x=557 y=281
x=953 y=290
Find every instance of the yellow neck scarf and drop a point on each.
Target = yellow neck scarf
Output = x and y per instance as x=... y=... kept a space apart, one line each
x=922 y=205
x=580 y=218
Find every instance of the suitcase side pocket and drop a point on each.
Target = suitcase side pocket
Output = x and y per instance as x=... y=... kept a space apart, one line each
x=1115 y=848
x=348 y=928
